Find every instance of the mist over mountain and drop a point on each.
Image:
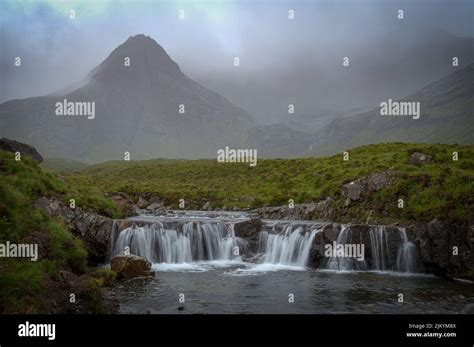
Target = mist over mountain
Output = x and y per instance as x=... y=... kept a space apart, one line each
x=388 y=64
x=137 y=110
x=446 y=116
x=146 y=105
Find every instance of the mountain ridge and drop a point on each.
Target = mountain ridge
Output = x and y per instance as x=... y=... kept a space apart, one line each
x=138 y=111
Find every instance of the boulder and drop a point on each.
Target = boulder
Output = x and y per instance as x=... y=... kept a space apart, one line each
x=380 y=180
x=419 y=159
x=354 y=189
x=250 y=231
x=207 y=206
x=24 y=149
x=130 y=266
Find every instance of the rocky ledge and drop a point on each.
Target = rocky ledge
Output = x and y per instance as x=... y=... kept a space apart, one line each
x=440 y=248
x=93 y=229
x=22 y=148
x=443 y=248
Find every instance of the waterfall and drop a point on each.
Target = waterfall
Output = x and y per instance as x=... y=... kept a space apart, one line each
x=291 y=243
x=382 y=250
x=185 y=243
x=345 y=263
x=379 y=247
x=289 y=247
x=406 y=259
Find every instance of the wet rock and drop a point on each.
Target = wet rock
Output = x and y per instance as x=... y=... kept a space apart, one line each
x=419 y=159
x=445 y=249
x=24 y=149
x=250 y=231
x=131 y=266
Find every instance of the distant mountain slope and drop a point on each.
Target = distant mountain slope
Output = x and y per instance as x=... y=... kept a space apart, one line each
x=447 y=116
x=392 y=63
x=137 y=110
x=279 y=141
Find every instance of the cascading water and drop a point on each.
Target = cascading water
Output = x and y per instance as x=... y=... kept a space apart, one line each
x=381 y=257
x=185 y=243
x=289 y=247
x=406 y=259
x=345 y=263
x=179 y=240
x=379 y=247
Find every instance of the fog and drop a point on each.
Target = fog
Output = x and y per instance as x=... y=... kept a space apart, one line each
x=282 y=61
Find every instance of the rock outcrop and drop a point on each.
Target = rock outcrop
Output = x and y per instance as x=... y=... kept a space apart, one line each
x=355 y=190
x=22 y=148
x=93 y=229
x=440 y=248
x=444 y=249
x=124 y=202
x=249 y=230
x=320 y=210
x=419 y=159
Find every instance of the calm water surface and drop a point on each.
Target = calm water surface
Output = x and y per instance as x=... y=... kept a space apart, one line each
x=236 y=287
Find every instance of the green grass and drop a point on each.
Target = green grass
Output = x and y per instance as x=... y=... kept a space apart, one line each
x=62 y=165
x=24 y=284
x=442 y=189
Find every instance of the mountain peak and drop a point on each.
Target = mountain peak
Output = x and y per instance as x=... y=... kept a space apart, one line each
x=138 y=53
x=142 y=39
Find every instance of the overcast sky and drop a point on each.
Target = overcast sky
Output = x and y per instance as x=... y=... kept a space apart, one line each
x=57 y=51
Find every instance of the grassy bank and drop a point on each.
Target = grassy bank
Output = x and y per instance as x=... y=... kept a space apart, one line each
x=34 y=286
x=442 y=189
